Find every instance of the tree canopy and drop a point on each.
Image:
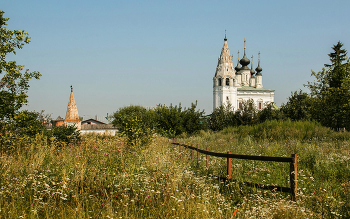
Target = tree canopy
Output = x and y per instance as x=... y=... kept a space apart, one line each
x=330 y=91
x=13 y=83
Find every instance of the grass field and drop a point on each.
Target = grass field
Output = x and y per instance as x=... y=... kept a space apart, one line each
x=101 y=177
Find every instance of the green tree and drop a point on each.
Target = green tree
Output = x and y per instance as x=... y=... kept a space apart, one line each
x=298 y=107
x=270 y=112
x=222 y=117
x=136 y=123
x=248 y=114
x=169 y=120
x=27 y=123
x=13 y=83
x=63 y=134
x=331 y=91
x=192 y=119
x=337 y=57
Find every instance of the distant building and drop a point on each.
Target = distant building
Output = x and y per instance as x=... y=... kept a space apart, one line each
x=92 y=122
x=86 y=126
x=233 y=85
x=58 y=122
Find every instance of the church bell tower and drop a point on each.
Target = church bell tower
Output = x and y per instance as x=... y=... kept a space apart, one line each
x=224 y=91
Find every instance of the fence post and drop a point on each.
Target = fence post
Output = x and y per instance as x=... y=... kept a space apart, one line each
x=197 y=154
x=191 y=152
x=228 y=167
x=293 y=178
x=207 y=157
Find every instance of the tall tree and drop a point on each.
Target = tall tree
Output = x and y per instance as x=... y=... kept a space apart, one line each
x=337 y=57
x=13 y=83
x=331 y=91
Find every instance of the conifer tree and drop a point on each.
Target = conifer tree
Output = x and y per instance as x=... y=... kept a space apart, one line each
x=331 y=91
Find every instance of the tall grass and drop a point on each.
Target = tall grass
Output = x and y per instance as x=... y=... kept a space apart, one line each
x=101 y=177
x=323 y=161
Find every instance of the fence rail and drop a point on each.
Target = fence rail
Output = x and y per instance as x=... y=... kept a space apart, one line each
x=292 y=160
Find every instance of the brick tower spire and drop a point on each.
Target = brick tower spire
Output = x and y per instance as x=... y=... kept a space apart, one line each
x=72 y=115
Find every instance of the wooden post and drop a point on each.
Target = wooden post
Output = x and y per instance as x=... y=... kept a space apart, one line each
x=207 y=157
x=197 y=154
x=191 y=152
x=228 y=167
x=293 y=178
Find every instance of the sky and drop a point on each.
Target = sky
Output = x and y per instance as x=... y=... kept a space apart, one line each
x=120 y=53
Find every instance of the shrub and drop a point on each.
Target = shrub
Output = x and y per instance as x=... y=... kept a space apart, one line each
x=136 y=123
x=66 y=134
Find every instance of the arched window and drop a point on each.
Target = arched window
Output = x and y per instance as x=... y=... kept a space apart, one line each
x=227 y=82
x=220 y=82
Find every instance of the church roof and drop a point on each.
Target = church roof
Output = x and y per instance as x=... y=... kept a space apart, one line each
x=72 y=111
x=225 y=64
x=248 y=88
x=59 y=118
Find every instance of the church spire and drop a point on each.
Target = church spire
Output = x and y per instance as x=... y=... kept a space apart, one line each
x=258 y=69
x=225 y=64
x=252 y=72
x=72 y=111
x=245 y=61
x=238 y=67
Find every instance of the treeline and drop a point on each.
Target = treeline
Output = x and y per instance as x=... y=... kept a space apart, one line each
x=327 y=103
x=138 y=123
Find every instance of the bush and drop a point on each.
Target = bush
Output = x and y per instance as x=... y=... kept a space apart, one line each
x=173 y=121
x=65 y=134
x=136 y=123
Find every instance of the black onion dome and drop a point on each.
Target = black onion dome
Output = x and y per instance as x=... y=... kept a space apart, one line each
x=258 y=69
x=238 y=68
x=244 y=61
x=252 y=72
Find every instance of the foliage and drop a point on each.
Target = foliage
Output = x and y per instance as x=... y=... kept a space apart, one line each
x=331 y=91
x=136 y=123
x=223 y=116
x=173 y=121
x=63 y=134
x=298 y=107
x=248 y=113
x=270 y=112
x=169 y=120
x=13 y=84
x=27 y=123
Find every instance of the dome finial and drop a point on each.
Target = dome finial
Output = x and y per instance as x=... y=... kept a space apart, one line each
x=252 y=72
x=225 y=36
x=71 y=88
x=238 y=68
x=258 y=69
x=244 y=61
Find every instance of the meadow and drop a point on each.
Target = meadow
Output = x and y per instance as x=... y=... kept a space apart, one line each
x=102 y=177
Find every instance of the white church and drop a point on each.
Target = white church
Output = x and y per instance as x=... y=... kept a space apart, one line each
x=234 y=85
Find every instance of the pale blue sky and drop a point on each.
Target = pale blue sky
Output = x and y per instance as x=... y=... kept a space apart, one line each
x=117 y=53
